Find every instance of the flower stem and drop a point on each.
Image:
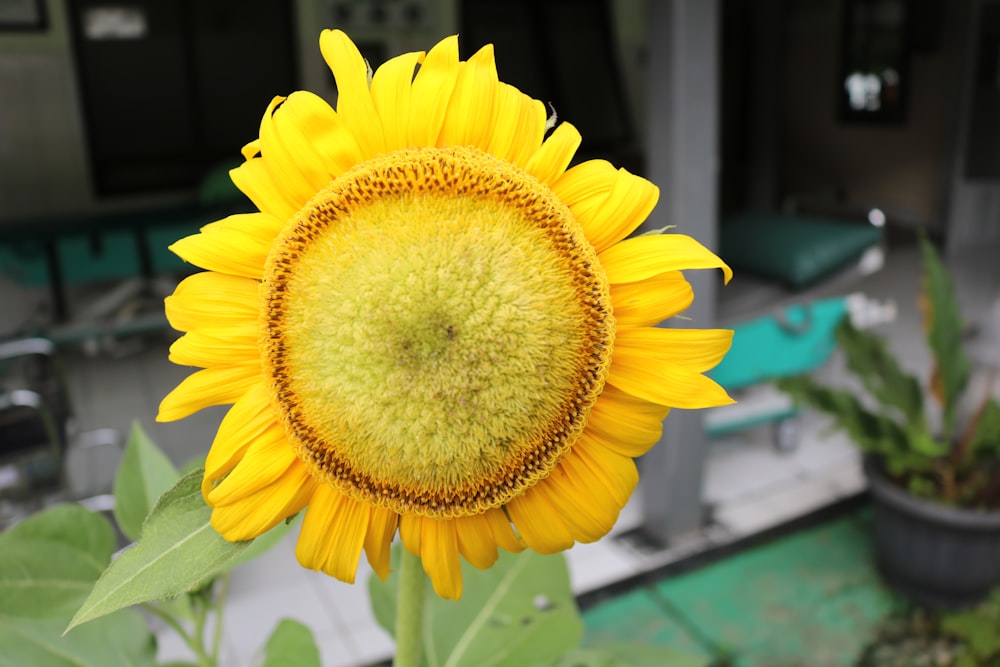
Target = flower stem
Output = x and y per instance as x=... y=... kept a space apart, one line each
x=220 y=603
x=193 y=641
x=410 y=612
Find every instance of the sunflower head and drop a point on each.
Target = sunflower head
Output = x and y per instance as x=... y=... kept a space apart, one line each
x=433 y=326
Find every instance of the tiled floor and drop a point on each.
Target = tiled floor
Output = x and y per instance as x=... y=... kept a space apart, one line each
x=748 y=485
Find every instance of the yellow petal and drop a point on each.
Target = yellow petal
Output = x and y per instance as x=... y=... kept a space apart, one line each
x=257 y=513
x=622 y=207
x=550 y=161
x=646 y=256
x=221 y=346
x=311 y=127
x=692 y=349
x=267 y=459
x=225 y=250
x=290 y=143
x=518 y=125
x=251 y=150
x=583 y=187
x=475 y=540
x=333 y=533
x=212 y=386
x=587 y=507
x=262 y=226
x=664 y=383
x=247 y=420
x=539 y=521
x=439 y=555
x=627 y=424
x=354 y=100
x=378 y=540
x=432 y=90
x=653 y=300
x=255 y=181
x=390 y=91
x=503 y=532
x=210 y=299
x=409 y=532
x=615 y=472
x=288 y=165
x=469 y=116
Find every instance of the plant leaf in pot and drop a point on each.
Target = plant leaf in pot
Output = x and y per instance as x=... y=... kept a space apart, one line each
x=933 y=470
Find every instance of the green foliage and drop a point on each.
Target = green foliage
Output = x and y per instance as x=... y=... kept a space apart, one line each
x=118 y=640
x=986 y=439
x=944 y=335
x=291 y=643
x=901 y=445
x=869 y=358
x=978 y=630
x=194 y=463
x=956 y=465
x=49 y=562
x=519 y=612
x=58 y=559
x=179 y=551
x=144 y=474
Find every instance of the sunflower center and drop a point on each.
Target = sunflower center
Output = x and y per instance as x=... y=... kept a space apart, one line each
x=436 y=329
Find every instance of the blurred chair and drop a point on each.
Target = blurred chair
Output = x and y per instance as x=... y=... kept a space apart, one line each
x=42 y=458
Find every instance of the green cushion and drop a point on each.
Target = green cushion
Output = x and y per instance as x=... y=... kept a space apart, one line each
x=796 y=251
x=798 y=340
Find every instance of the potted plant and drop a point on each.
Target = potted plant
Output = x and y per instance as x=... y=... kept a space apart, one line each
x=932 y=452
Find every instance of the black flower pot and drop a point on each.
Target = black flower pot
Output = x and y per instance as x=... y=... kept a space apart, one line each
x=938 y=556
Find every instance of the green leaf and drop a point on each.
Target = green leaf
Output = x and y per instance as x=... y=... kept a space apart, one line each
x=986 y=438
x=179 y=607
x=291 y=643
x=622 y=654
x=68 y=524
x=144 y=474
x=119 y=640
x=50 y=561
x=196 y=462
x=869 y=358
x=966 y=659
x=922 y=487
x=179 y=551
x=871 y=432
x=922 y=443
x=944 y=335
x=519 y=612
x=978 y=631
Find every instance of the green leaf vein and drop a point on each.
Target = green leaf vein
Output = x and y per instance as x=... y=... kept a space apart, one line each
x=97 y=603
x=465 y=641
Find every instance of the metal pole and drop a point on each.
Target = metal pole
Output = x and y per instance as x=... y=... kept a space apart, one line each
x=682 y=159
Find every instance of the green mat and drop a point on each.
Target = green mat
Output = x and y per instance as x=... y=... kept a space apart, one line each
x=811 y=599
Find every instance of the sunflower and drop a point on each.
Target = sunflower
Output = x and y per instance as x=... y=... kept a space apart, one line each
x=433 y=325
